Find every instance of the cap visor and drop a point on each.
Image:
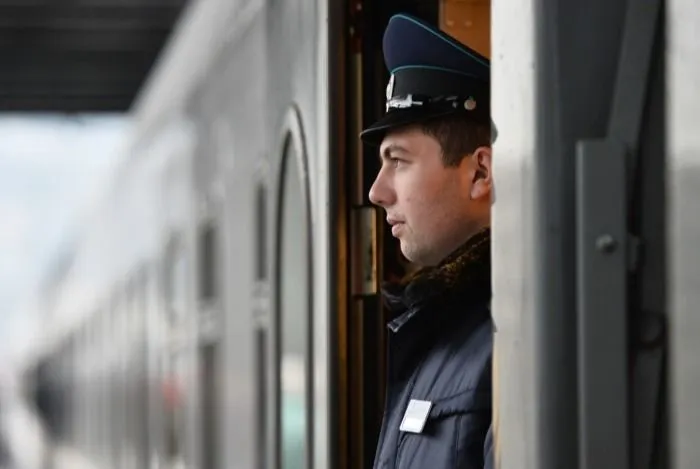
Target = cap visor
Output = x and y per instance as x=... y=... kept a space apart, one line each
x=374 y=134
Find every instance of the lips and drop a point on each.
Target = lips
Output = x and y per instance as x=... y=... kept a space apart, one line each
x=396 y=225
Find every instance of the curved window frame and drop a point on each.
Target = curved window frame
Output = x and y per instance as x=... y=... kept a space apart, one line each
x=292 y=134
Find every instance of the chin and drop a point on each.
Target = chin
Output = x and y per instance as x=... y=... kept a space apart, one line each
x=413 y=255
x=407 y=252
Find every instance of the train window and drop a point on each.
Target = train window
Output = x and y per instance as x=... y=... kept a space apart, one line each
x=261 y=232
x=207 y=263
x=294 y=314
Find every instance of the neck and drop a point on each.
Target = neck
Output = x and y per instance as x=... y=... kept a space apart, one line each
x=466 y=272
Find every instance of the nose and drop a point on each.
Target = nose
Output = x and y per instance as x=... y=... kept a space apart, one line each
x=381 y=193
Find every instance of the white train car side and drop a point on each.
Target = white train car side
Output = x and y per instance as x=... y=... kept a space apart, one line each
x=167 y=300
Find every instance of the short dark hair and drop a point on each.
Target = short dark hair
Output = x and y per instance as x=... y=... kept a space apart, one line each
x=458 y=136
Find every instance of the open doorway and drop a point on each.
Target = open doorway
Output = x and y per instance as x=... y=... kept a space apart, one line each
x=367 y=253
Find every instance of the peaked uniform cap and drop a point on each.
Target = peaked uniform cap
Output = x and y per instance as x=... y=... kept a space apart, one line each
x=411 y=42
x=432 y=75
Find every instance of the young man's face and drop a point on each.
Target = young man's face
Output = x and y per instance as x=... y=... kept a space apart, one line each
x=433 y=209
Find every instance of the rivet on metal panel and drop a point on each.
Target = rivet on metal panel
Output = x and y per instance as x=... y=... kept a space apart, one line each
x=605 y=243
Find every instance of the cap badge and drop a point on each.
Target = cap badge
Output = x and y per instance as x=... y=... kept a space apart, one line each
x=390 y=88
x=389 y=91
x=470 y=104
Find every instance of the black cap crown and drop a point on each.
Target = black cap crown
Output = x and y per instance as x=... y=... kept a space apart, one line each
x=432 y=75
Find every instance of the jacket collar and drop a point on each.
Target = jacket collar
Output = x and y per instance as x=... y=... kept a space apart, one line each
x=463 y=278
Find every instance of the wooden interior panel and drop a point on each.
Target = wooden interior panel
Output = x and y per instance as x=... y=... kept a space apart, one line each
x=469 y=21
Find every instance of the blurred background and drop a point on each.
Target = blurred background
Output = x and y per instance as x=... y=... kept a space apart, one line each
x=52 y=168
x=70 y=73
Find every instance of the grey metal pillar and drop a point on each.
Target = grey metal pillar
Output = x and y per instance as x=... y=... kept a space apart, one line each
x=578 y=92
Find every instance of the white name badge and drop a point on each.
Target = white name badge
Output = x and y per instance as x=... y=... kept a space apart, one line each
x=416 y=415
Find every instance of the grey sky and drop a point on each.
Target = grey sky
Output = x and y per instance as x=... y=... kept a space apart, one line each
x=50 y=169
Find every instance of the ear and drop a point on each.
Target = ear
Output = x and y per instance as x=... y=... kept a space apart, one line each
x=482 y=183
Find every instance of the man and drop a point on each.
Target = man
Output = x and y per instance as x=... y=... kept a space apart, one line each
x=435 y=184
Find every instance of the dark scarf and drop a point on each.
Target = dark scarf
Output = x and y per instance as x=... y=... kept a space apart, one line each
x=463 y=278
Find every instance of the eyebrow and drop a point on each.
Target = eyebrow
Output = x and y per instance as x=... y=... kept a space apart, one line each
x=392 y=148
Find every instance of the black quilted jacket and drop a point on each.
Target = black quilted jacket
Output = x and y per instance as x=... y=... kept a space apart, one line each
x=440 y=349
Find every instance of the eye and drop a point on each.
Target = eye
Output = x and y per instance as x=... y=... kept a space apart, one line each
x=395 y=161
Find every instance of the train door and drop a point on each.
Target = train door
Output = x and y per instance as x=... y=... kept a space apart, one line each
x=374 y=256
